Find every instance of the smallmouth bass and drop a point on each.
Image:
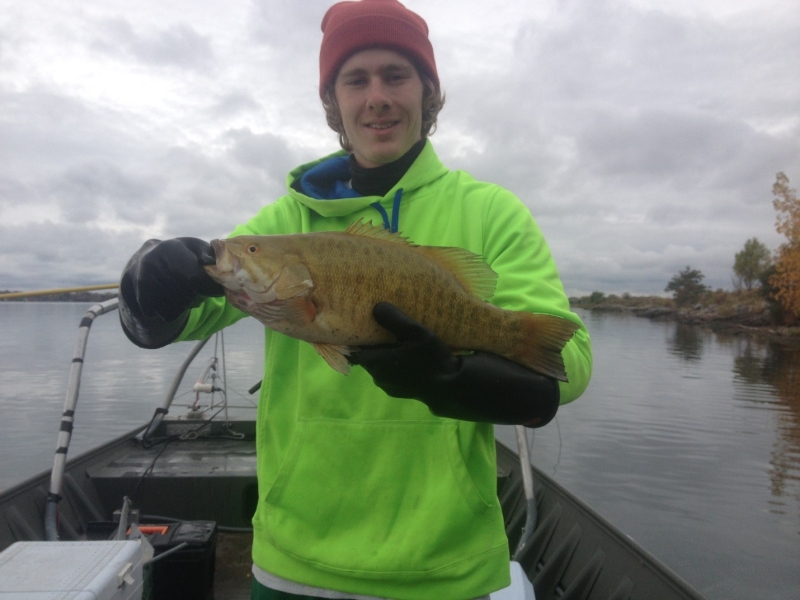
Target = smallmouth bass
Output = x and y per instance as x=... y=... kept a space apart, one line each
x=321 y=287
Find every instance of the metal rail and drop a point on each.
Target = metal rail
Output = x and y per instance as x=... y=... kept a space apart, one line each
x=71 y=401
x=68 y=417
x=162 y=411
x=527 y=486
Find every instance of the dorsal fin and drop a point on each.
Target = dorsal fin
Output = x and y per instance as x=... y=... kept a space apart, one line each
x=468 y=268
x=367 y=229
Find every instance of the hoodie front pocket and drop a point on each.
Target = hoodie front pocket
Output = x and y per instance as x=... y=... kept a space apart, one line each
x=379 y=498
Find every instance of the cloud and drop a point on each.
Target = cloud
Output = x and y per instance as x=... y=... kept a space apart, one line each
x=85 y=191
x=76 y=159
x=631 y=133
x=293 y=27
x=206 y=195
x=264 y=151
x=178 y=45
x=77 y=180
x=51 y=254
x=235 y=103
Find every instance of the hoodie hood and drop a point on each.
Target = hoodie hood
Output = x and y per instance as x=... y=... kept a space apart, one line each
x=331 y=182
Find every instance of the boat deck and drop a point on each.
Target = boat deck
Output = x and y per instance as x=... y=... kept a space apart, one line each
x=184 y=475
x=219 y=475
x=210 y=475
x=233 y=575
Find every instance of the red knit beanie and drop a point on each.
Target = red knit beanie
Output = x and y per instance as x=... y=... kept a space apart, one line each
x=348 y=27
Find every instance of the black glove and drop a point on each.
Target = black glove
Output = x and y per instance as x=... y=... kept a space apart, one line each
x=476 y=387
x=159 y=285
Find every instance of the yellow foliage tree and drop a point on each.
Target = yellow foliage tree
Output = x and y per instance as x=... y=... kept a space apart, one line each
x=786 y=279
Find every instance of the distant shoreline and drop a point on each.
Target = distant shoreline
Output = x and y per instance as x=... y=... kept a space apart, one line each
x=733 y=313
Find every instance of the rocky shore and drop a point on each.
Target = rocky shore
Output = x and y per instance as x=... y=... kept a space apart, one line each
x=749 y=316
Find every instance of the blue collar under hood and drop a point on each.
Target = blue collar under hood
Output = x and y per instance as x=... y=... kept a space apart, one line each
x=324 y=186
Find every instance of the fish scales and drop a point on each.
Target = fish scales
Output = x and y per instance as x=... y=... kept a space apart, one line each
x=358 y=275
x=321 y=287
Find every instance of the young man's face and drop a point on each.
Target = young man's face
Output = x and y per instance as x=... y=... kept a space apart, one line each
x=379 y=93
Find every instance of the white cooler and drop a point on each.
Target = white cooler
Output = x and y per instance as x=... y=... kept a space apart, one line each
x=105 y=570
x=520 y=588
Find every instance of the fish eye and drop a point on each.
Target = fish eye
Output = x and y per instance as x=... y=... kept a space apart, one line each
x=253 y=249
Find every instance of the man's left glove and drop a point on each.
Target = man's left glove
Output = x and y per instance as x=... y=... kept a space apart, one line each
x=474 y=387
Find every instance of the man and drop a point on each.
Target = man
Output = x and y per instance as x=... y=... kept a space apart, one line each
x=380 y=484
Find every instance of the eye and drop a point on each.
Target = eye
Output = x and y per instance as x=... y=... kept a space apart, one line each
x=253 y=249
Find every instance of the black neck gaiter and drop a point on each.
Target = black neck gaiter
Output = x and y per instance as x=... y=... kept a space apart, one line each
x=377 y=181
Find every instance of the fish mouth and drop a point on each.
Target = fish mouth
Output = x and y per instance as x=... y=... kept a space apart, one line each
x=224 y=261
x=225 y=266
x=219 y=249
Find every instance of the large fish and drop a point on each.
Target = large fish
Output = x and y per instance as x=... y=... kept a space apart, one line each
x=321 y=288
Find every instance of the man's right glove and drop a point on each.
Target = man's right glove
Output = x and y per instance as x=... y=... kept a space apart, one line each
x=159 y=285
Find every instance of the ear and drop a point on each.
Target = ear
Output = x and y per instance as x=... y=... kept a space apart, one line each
x=333 y=115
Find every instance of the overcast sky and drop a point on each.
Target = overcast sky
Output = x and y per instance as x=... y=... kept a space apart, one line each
x=644 y=135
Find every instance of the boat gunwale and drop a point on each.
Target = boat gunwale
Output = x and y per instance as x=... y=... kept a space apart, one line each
x=84 y=457
x=624 y=543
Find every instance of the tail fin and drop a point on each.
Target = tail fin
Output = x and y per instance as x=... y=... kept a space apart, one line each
x=544 y=336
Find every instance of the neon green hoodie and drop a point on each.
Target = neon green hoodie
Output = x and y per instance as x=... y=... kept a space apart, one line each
x=373 y=495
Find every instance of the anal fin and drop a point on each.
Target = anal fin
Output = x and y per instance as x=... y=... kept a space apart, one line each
x=335 y=355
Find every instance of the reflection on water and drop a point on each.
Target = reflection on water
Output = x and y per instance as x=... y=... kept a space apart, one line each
x=686 y=341
x=778 y=366
x=756 y=363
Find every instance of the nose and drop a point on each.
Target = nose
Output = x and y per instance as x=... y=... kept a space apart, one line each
x=377 y=98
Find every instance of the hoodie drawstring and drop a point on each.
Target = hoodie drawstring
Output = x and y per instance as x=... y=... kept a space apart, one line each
x=392 y=225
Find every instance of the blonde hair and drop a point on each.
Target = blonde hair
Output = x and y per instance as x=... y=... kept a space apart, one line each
x=432 y=103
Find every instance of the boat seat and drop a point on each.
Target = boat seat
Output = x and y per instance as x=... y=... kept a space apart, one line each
x=199 y=479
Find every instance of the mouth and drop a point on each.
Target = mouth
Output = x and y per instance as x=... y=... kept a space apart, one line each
x=380 y=126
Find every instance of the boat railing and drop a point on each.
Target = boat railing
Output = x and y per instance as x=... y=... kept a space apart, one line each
x=527 y=486
x=68 y=416
x=162 y=410
x=71 y=402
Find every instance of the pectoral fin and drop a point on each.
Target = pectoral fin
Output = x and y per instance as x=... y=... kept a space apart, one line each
x=299 y=310
x=335 y=355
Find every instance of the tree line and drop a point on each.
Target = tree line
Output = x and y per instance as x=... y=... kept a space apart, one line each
x=777 y=274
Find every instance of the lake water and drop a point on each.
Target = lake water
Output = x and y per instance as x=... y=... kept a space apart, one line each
x=687 y=440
